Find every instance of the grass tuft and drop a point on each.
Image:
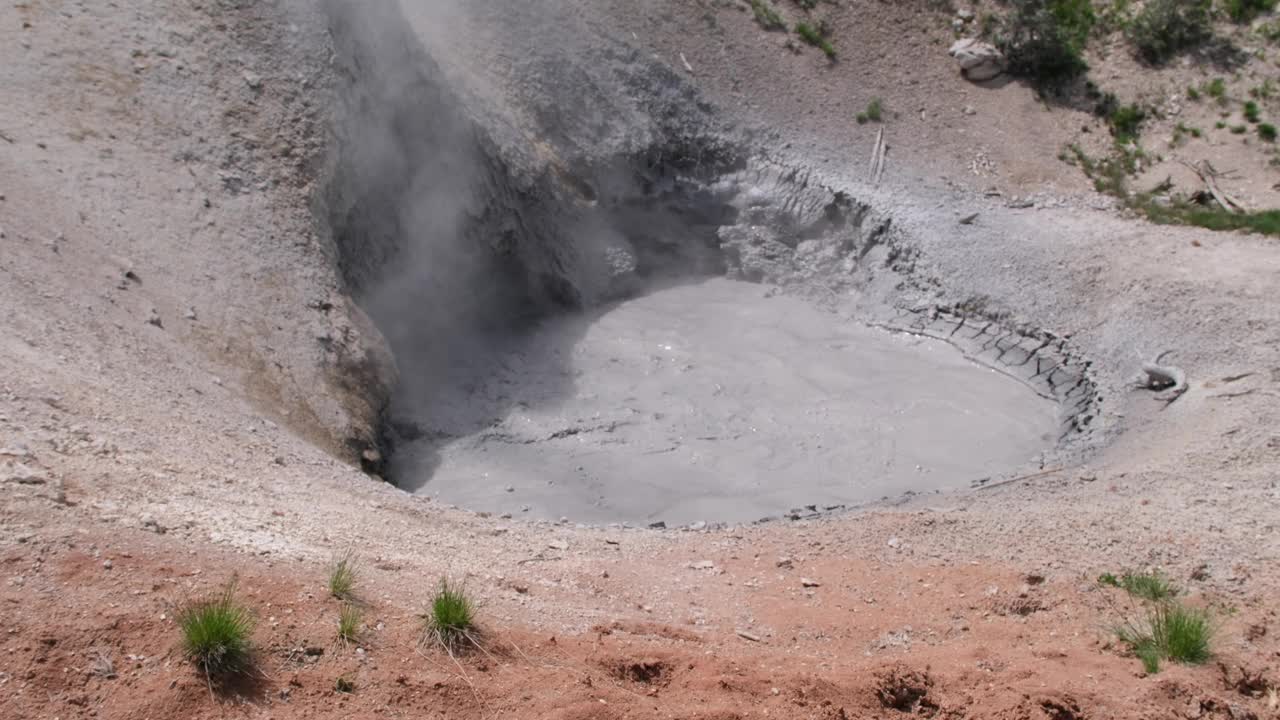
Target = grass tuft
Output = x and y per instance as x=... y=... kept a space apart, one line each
x=349 y=619
x=1170 y=631
x=216 y=633
x=1153 y=586
x=873 y=113
x=451 y=618
x=1252 y=112
x=815 y=37
x=1267 y=132
x=342 y=576
x=766 y=15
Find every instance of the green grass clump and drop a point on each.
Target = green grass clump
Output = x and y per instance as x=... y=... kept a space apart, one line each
x=1267 y=132
x=1193 y=94
x=1239 y=129
x=1153 y=586
x=452 y=614
x=342 y=576
x=1169 y=631
x=349 y=619
x=1165 y=28
x=816 y=38
x=1217 y=89
x=216 y=633
x=1252 y=112
x=766 y=15
x=873 y=113
x=1243 y=11
x=1126 y=122
x=1266 y=222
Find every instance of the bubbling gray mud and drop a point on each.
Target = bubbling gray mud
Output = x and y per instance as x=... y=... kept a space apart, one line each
x=717 y=401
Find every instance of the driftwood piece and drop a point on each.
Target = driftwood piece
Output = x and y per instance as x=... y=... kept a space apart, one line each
x=1208 y=175
x=878 y=151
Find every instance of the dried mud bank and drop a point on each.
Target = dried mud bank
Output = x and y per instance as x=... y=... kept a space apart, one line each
x=459 y=220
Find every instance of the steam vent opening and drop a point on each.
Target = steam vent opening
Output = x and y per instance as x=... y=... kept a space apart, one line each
x=667 y=328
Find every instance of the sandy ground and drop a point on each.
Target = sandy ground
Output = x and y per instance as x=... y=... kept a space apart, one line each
x=164 y=299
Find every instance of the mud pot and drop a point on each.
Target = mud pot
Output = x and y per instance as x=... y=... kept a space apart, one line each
x=717 y=401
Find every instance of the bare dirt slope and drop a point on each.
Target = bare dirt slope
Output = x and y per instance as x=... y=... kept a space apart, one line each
x=170 y=416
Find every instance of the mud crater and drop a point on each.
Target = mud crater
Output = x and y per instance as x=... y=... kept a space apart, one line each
x=676 y=331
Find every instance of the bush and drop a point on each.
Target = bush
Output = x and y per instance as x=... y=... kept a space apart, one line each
x=1243 y=11
x=215 y=633
x=1267 y=132
x=1165 y=28
x=1252 y=112
x=452 y=616
x=1044 y=40
x=1125 y=123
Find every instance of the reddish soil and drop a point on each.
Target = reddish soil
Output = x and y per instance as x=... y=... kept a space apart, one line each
x=867 y=641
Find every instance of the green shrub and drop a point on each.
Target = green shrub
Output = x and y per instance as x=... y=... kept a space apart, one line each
x=452 y=615
x=1217 y=89
x=766 y=15
x=815 y=37
x=1252 y=112
x=1165 y=28
x=215 y=633
x=1244 y=11
x=1267 y=132
x=1125 y=123
x=1193 y=94
x=1044 y=40
x=342 y=576
x=875 y=110
x=1169 y=631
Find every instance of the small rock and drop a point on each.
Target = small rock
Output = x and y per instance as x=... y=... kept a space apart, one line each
x=154 y=318
x=700 y=525
x=964 y=15
x=786 y=562
x=253 y=81
x=558 y=545
x=106 y=564
x=190 y=314
x=510 y=488
x=806 y=582
x=895 y=543
x=702 y=565
x=978 y=60
x=658 y=525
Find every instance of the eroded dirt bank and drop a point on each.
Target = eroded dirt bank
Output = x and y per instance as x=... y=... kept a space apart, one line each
x=169 y=417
